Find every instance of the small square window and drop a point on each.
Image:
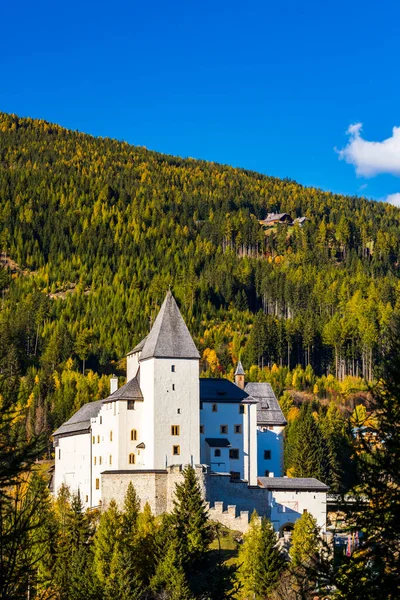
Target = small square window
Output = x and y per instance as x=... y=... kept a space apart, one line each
x=217 y=452
x=173 y=368
x=176 y=450
x=97 y=484
x=201 y=428
x=214 y=408
x=131 y=405
x=223 y=429
x=234 y=453
x=238 y=429
x=242 y=409
x=175 y=430
x=267 y=454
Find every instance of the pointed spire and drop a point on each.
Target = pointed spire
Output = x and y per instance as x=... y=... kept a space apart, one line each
x=169 y=337
x=239 y=369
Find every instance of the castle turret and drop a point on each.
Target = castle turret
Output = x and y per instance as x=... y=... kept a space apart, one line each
x=239 y=375
x=169 y=379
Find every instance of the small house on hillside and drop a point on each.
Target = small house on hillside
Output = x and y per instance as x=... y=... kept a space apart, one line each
x=276 y=218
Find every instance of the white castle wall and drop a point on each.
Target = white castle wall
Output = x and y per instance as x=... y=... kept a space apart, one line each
x=72 y=465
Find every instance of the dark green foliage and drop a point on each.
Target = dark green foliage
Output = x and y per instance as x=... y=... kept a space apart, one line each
x=190 y=518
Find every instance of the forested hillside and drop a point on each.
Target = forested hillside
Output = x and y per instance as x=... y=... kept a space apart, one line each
x=100 y=229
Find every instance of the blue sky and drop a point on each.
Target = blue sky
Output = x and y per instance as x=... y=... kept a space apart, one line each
x=269 y=86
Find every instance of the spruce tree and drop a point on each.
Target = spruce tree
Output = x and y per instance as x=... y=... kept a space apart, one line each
x=309 y=455
x=190 y=518
x=170 y=578
x=130 y=512
x=305 y=540
x=260 y=561
x=107 y=536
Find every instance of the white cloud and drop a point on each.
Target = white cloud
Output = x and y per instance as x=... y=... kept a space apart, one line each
x=393 y=199
x=372 y=158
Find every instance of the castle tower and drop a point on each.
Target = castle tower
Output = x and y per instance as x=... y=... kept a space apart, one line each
x=239 y=375
x=169 y=380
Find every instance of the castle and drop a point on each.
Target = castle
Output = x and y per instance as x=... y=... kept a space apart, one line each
x=166 y=417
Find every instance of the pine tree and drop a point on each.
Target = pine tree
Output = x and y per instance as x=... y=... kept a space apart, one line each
x=305 y=540
x=309 y=457
x=260 y=561
x=123 y=582
x=190 y=517
x=130 y=512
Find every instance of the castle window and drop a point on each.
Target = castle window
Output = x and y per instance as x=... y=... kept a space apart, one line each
x=94 y=460
x=131 y=405
x=59 y=453
x=86 y=499
x=178 y=410
x=173 y=368
x=97 y=484
x=238 y=429
x=94 y=439
x=267 y=454
x=110 y=436
x=100 y=460
x=174 y=429
x=305 y=511
x=266 y=473
x=234 y=453
x=133 y=435
x=223 y=429
x=132 y=459
x=214 y=408
x=201 y=428
x=242 y=409
x=98 y=439
x=110 y=460
x=217 y=452
x=101 y=420
x=173 y=387
x=176 y=450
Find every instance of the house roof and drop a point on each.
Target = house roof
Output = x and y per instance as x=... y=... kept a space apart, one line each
x=80 y=421
x=218 y=442
x=306 y=484
x=221 y=390
x=276 y=217
x=129 y=391
x=138 y=347
x=268 y=410
x=239 y=369
x=169 y=336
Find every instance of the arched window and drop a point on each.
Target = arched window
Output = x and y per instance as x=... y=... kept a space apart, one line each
x=132 y=459
x=133 y=435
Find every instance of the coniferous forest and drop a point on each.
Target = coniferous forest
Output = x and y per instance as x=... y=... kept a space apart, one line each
x=93 y=232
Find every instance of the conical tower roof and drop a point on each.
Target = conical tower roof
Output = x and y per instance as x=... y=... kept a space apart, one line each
x=239 y=369
x=169 y=336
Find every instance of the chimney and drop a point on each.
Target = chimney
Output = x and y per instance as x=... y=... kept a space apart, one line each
x=239 y=375
x=113 y=384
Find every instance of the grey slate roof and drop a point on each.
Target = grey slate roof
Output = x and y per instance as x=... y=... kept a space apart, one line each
x=169 y=336
x=293 y=483
x=138 y=346
x=268 y=410
x=239 y=369
x=129 y=391
x=221 y=390
x=80 y=421
x=218 y=442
